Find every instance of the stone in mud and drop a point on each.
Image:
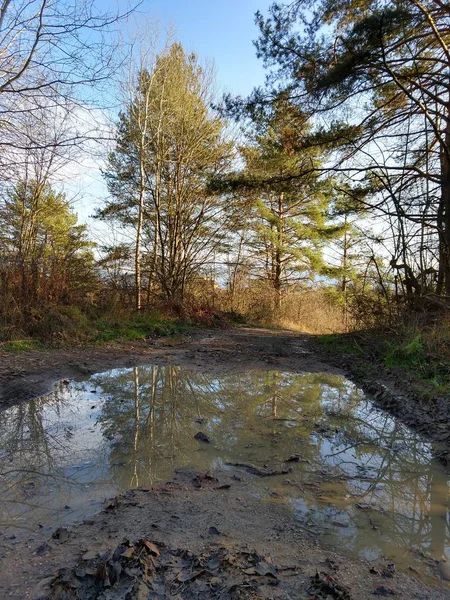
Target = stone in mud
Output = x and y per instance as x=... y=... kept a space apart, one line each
x=444 y=570
x=202 y=437
x=383 y=590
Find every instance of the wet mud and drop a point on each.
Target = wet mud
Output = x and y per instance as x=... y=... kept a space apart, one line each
x=291 y=483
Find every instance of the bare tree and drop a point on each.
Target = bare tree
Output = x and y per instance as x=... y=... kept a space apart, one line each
x=168 y=145
x=55 y=56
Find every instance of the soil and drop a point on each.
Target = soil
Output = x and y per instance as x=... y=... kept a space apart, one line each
x=29 y=374
x=195 y=536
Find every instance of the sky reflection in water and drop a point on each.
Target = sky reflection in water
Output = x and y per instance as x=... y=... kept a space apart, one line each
x=365 y=482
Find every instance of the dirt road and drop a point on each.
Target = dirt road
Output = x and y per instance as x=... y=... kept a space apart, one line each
x=207 y=537
x=29 y=374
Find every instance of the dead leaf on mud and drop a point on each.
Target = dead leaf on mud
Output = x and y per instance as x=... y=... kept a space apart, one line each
x=150 y=546
x=110 y=575
x=214 y=563
x=189 y=576
x=145 y=570
x=327 y=586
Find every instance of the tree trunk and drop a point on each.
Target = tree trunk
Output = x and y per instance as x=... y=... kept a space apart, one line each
x=278 y=255
x=137 y=252
x=445 y=204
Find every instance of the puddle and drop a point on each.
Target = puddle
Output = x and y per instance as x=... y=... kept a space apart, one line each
x=363 y=482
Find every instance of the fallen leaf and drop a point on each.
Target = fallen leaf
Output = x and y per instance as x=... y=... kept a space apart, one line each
x=184 y=577
x=151 y=546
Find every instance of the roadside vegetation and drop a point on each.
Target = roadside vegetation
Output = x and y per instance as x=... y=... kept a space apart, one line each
x=422 y=352
x=319 y=203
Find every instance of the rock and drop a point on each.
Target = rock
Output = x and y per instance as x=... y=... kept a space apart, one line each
x=388 y=570
x=383 y=590
x=61 y=534
x=202 y=437
x=293 y=458
x=43 y=549
x=444 y=569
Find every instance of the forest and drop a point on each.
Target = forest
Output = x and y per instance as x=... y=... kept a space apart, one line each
x=320 y=202
x=224 y=299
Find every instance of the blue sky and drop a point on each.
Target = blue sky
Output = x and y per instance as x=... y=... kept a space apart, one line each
x=222 y=30
x=218 y=29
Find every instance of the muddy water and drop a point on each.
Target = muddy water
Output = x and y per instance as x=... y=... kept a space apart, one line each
x=362 y=481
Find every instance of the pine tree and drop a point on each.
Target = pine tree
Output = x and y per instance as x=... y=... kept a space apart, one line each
x=47 y=256
x=287 y=201
x=377 y=73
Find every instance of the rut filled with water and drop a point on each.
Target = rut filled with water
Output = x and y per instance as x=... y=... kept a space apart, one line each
x=353 y=475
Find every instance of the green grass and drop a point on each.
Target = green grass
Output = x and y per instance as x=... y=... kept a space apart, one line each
x=138 y=327
x=410 y=354
x=340 y=344
x=21 y=345
x=413 y=350
x=415 y=355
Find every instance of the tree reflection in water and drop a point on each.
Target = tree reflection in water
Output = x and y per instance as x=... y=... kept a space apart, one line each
x=72 y=445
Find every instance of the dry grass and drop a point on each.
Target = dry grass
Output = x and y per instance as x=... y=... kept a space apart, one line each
x=310 y=311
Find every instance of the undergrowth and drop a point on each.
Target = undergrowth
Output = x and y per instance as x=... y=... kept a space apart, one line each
x=423 y=351
x=65 y=326
x=20 y=345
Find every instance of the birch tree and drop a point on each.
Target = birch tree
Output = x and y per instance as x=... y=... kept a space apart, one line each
x=168 y=146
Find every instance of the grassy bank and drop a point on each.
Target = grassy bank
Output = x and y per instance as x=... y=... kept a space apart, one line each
x=68 y=326
x=422 y=352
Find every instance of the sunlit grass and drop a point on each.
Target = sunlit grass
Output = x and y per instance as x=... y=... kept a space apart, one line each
x=20 y=345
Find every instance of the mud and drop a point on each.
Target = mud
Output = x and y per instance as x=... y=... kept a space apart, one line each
x=258 y=551
x=29 y=374
x=209 y=518
x=394 y=390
